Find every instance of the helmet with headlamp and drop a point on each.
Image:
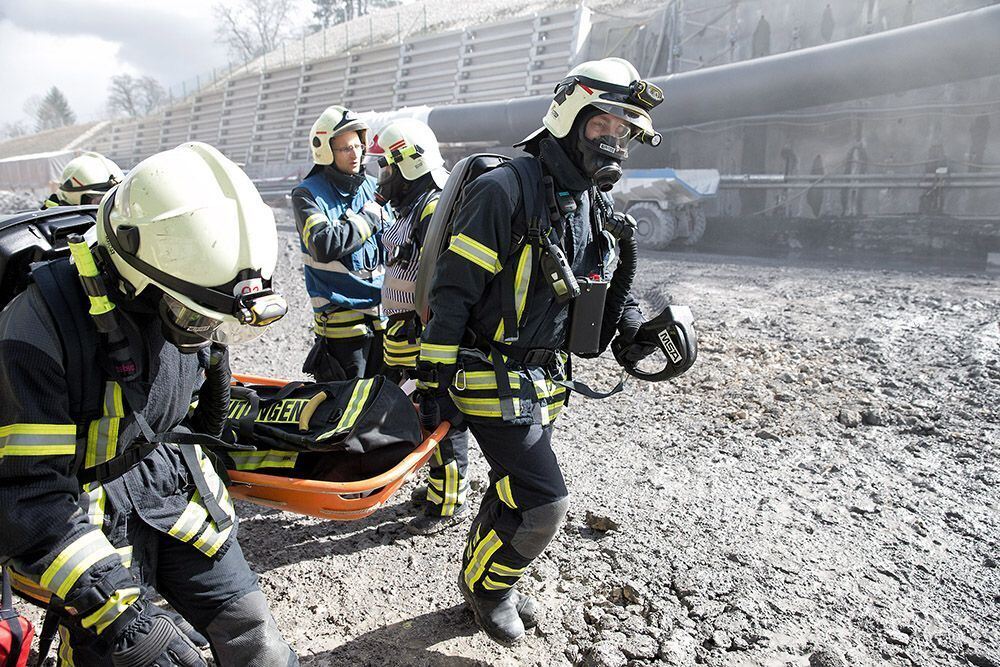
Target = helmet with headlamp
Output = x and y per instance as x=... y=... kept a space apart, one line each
x=611 y=91
x=188 y=226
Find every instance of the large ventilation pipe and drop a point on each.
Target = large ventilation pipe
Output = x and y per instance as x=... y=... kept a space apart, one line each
x=955 y=48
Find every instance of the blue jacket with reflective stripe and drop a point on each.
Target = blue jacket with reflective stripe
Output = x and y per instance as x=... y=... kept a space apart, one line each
x=342 y=259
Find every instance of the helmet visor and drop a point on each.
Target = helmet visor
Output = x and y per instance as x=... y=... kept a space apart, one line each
x=223 y=329
x=640 y=122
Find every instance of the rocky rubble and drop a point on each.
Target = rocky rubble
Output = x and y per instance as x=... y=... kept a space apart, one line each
x=12 y=202
x=820 y=489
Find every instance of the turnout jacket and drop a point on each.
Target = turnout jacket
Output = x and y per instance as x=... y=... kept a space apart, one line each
x=68 y=540
x=488 y=253
x=343 y=259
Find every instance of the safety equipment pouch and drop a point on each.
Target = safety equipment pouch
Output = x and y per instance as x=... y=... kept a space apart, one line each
x=355 y=416
x=585 y=316
x=672 y=333
x=16 y=632
x=558 y=274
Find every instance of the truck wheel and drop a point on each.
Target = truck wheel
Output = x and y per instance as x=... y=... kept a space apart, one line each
x=654 y=227
x=696 y=225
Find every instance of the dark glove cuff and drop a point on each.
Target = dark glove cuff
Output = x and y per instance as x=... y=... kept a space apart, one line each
x=84 y=599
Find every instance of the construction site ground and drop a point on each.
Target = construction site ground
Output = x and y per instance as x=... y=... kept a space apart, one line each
x=821 y=489
x=822 y=486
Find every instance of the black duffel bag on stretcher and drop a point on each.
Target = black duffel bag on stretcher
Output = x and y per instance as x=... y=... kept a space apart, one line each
x=335 y=450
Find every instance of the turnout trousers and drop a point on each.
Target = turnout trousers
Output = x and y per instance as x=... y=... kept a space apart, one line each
x=348 y=346
x=219 y=597
x=523 y=508
x=447 y=484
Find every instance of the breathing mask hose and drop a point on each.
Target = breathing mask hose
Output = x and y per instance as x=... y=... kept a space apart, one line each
x=621 y=285
x=213 y=397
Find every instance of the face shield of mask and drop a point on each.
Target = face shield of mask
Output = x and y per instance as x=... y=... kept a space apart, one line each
x=603 y=143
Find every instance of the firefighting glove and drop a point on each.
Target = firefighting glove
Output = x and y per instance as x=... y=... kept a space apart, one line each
x=432 y=396
x=148 y=637
x=632 y=351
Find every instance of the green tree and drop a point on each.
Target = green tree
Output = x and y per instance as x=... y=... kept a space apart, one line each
x=53 y=111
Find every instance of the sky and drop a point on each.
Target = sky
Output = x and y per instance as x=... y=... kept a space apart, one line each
x=79 y=46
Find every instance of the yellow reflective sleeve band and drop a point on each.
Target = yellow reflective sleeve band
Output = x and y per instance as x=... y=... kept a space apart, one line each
x=482 y=554
x=362 y=390
x=360 y=224
x=110 y=610
x=429 y=209
x=438 y=354
x=271 y=458
x=307 y=227
x=475 y=252
x=37 y=440
x=75 y=559
x=506 y=496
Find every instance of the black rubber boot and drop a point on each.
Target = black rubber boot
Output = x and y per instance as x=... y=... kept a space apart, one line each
x=527 y=609
x=428 y=524
x=498 y=618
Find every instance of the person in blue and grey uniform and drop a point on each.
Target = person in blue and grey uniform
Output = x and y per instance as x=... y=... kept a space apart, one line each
x=340 y=231
x=410 y=180
x=105 y=492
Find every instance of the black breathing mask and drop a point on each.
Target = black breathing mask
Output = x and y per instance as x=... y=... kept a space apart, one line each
x=185 y=341
x=601 y=157
x=392 y=186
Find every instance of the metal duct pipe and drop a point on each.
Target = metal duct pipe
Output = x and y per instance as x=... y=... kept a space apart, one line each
x=955 y=48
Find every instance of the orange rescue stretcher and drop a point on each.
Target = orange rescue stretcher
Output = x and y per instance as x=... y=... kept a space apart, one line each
x=340 y=501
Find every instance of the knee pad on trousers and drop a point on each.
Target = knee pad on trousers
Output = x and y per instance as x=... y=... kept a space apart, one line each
x=538 y=527
x=244 y=634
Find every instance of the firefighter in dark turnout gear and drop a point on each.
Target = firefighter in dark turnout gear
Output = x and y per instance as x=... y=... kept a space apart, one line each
x=497 y=340
x=85 y=180
x=104 y=494
x=410 y=181
x=340 y=231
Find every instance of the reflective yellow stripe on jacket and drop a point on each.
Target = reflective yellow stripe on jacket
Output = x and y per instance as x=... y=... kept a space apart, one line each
x=37 y=440
x=194 y=525
x=75 y=559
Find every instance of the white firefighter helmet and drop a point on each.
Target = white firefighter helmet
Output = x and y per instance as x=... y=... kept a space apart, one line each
x=88 y=176
x=411 y=146
x=612 y=85
x=335 y=120
x=189 y=222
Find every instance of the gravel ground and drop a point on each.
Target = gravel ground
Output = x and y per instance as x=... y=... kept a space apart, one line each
x=820 y=489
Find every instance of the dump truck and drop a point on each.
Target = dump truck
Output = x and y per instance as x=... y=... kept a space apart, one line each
x=667 y=204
